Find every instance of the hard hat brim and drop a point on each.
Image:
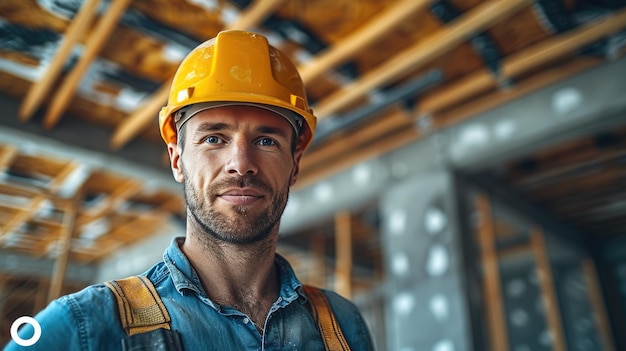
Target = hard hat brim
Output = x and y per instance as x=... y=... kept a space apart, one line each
x=184 y=114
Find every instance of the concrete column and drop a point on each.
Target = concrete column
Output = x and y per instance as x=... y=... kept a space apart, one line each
x=426 y=307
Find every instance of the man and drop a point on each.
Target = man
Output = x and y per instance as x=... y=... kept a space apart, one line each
x=236 y=125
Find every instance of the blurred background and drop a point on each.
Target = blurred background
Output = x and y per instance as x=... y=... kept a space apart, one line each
x=466 y=187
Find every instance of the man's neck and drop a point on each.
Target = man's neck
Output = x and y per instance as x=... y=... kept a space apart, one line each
x=241 y=276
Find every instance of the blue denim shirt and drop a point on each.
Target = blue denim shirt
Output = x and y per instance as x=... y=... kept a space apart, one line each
x=89 y=319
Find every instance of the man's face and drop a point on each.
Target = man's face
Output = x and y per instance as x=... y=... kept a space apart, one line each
x=237 y=167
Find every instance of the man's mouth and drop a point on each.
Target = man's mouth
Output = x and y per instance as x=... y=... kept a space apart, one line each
x=241 y=196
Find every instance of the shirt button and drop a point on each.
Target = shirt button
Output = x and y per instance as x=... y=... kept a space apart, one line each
x=246 y=321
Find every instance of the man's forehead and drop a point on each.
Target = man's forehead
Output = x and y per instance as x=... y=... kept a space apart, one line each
x=233 y=116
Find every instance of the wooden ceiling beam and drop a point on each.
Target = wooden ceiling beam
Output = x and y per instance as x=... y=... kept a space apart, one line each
x=77 y=28
x=364 y=152
x=7 y=155
x=141 y=118
x=255 y=14
x=124 y=191
x=398 y=119
x=444 y=40
x=63 y=246
x=21 y=217
x=343 y=144
x=96 y=41
x=351 y=44
x=118 y=237
x=18 y=190
x=36 y=200
x=554 y=173
x=531 y=57
x=459 y=113
x=145 y=115
x=606 y=178
x=523 y=61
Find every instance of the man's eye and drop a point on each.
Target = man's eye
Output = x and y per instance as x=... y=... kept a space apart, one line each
x=212 y=140
x=267 y=142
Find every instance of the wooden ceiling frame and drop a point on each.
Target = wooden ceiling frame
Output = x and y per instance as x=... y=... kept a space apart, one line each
x=38 y=91
x=123 y=191
x=418 y=55
x=423 y=52
x=7 y=154
x=24 y=214
x=514 y=65
x=556 y=171
x=117 y=238
x=50 y=235
x=355 y=42
x=97 y=39
x=467 y=88
x=328 y=159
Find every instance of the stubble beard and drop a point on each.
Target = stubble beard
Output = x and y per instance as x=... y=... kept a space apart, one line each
x=242 y=228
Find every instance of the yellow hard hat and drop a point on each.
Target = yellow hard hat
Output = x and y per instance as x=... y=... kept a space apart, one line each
x=237 y=68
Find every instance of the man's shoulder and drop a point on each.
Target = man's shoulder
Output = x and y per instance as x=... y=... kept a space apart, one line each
x=88 y=296
x=340 y=304
x=100 y=292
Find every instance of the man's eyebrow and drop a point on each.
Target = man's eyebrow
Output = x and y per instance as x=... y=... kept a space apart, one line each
x=212 y=127
x=273 y=131
x=219 y=126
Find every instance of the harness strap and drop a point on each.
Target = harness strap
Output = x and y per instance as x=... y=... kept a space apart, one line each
x=325 y=318
x=140 y=306
x=142 y=311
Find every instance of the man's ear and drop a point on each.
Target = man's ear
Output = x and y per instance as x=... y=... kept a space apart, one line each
x=297 y=155
x=175 y=162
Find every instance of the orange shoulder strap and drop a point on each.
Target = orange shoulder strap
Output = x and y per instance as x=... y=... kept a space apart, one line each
x=141 y=310
x=325 y=318
x=140 y=306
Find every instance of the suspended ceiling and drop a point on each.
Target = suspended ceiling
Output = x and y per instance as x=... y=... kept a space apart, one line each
x=380 y=75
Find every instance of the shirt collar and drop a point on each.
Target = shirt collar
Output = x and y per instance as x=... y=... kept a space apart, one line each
x=185 y=277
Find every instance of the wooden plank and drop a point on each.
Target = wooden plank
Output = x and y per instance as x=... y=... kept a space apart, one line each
x=37 y=199
x=343 y=243
x=61 y=177
x=548 y=292
x=363 y=153
x=77 y=28
x=60 y=264
x=141 y=118
x=444 y=40
x=96 y=41
x=255 y=14
x=314 y=158
x=610 y=175
x=351 y=44
x=499 y=97
x=122 y=192
x=345 y=143
x=496 y=319
x=7 y=155
x=20 y=217
x=40 y=300
x=523 y=61
x=317 y=250
x=451 y=117
x=597 y=303
x=515 y=251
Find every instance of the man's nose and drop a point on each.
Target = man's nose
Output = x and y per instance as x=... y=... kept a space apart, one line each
x=241 y=160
